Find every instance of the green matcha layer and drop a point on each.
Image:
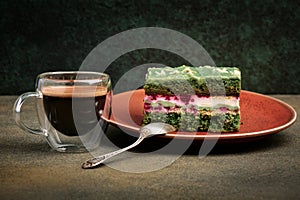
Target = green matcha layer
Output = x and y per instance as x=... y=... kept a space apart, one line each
x=201 y=121
x=202 y=81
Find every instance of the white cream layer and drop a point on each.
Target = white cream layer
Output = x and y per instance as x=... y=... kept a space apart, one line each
x=196 y=100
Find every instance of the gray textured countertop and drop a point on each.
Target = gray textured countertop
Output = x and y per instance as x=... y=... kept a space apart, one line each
x=263 y=169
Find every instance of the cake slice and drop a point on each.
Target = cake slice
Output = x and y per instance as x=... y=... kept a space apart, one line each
x=193 y=98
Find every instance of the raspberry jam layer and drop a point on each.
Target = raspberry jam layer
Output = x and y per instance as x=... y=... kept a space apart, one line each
x=160 y=103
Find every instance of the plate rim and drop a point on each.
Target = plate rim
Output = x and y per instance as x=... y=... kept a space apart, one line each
x=219 y=136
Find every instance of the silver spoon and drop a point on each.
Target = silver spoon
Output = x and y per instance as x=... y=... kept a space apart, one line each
x=146 y=131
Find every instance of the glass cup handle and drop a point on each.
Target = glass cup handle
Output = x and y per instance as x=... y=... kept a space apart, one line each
x=17 y=113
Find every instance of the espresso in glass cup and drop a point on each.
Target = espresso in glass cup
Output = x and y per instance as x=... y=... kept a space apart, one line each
x=70 y=106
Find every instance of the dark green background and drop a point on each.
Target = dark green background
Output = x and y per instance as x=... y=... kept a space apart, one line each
x=261 y=37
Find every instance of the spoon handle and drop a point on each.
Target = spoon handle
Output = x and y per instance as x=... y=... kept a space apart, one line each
x=91 y=163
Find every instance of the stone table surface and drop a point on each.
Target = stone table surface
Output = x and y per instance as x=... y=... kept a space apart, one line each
x=262 y=169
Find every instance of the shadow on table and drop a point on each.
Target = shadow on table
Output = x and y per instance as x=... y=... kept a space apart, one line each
x=245 y=146
x=121 y=139
x=21 y=147
x=274 y=141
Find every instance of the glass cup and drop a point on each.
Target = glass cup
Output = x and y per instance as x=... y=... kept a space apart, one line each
x=70 y=106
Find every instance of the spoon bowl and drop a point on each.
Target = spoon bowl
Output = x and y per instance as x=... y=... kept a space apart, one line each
x=146 y=131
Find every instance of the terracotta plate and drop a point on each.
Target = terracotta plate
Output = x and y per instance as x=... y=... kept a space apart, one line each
x=261 y=115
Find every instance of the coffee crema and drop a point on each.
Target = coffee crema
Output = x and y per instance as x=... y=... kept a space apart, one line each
x=74 y=91
x=58 y=104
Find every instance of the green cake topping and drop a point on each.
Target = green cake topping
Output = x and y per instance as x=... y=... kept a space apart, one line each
x=204 y=80
x=192 y=72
